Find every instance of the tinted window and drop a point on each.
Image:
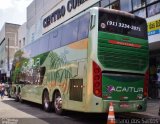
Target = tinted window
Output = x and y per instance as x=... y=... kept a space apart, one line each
x=141 y=13
x=70 y=32
x=115 y=5
x=35 y=49
x=151 y=1
x=66 y=34
x=43 y=44
x=119 y=23
x=55 y=39
x=138 y=4
x=104 y=3
x=153 y=9
x=39 y=46
x=83 y=27
x=27 y=51
x=111 y=1
x=125 y=5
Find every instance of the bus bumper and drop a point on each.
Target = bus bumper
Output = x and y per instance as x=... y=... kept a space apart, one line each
x=126 y=106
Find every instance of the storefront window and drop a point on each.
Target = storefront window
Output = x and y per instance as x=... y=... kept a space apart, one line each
x=141 y=13
x=138 y=4
x=153 y=9
x=126 y=5
x=111 y=1
x=104 y=3
x=96 y=4
x=115 y=5
x=107 y=7
x=150 y=1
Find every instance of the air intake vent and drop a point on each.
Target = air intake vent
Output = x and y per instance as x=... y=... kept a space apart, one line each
x=76 y=89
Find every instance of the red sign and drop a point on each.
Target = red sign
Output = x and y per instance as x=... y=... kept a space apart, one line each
x=124 y=43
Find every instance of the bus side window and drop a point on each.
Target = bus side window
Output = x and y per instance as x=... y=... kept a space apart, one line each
x=55 y=38
x=42 y=72
x=83 y=29
x=70 y=33
x=43 y=44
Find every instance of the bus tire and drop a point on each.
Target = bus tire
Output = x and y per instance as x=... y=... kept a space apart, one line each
x=46 y=102
x=9 y=93
x=20 y=97
x=58 y=103
x=16 y=98
x=9 y=96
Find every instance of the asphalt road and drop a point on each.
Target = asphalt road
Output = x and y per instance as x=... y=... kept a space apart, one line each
x=12 y=112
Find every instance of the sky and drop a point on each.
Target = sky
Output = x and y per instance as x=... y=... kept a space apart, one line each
x=13 y=11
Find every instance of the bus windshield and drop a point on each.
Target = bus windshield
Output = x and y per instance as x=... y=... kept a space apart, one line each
x=120 y=23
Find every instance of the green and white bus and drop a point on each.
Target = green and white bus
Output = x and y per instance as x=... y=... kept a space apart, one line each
x=97 y=57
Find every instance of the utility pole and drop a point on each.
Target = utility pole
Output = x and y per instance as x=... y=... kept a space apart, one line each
x=8 y=70
x=8 y=56
x=8 y=66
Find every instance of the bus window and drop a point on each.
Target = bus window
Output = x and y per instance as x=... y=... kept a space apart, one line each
x=35 y=51
x=27 y=52
x=55 y=39
x=70 y=32
x=121 y=24
x=44 y=44
x=83 y=26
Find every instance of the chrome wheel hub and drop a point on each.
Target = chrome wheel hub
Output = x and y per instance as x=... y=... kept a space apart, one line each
x=58 y=103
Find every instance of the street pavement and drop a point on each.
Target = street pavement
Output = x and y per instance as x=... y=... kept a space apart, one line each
x=151 y=112
x=150 y=116
x=153 y=106
x=12 y=112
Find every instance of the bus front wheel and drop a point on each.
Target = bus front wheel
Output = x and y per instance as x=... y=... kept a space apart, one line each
x=46 y=102
x=58 y=103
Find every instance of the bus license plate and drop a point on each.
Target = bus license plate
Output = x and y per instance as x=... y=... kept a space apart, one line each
x=124 y=105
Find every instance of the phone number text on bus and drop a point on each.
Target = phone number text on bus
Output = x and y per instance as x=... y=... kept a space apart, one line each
x=123 y=25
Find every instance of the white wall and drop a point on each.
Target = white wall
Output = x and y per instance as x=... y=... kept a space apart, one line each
x=21 y=35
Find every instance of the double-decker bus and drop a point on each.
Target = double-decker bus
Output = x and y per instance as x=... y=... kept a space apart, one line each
x=97 y=57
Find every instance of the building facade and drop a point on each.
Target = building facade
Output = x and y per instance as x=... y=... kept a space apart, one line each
x=8 y=46
x=44 y=15
x=40 y=9
x=22 y=36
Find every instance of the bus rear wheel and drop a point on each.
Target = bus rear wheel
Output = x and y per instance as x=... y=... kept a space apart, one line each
x=20 y=97
x=58 y=103
x=46 y=102
x=16 y=97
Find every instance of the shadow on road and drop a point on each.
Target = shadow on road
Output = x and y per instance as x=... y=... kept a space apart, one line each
x=69 y=117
